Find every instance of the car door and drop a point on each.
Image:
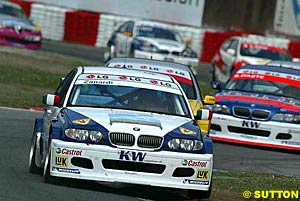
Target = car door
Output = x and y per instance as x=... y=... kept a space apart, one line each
x=51 y=112
x=124 y=39
x=228 y=53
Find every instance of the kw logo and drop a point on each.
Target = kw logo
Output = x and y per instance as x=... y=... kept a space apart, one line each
x=202 y=175
x=61 y=161
x=132 y=155
x=250 y=124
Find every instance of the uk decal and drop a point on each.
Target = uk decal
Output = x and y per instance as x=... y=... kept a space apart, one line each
x=202 y=175
x=131 y=156
x=61 y=161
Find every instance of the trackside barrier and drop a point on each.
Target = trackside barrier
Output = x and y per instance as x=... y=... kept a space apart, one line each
x=51 y=19
x=294 y=48
x=81 y=27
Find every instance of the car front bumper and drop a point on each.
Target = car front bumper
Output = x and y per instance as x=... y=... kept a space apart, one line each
x=258 y=133
x=167 y=57
x=26 y=39
x=105 y=163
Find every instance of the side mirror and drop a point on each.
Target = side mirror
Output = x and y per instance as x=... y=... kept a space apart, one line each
x=50 y=99
x=216 y=85
x=209 y=100
x=127 y=33
x=203 y=114
x=231 y=52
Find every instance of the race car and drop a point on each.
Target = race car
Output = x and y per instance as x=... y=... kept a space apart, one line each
x=259 y=105
x=240 y=50
x=180 y=72
x=119 y=125
x=149 y=39
x=16 y=29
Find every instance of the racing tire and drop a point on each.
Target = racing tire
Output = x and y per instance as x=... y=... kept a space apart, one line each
x=33 y=168
x=46 y=173
x=199 y=194
x=212 y=73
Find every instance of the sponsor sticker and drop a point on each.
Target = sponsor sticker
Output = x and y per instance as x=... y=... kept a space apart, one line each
x=290 y=142
x=61 y=161
x=191 y=181
x=187 y=131
x=66 y=170
x=72 y=152
x=193 y=163
x=82 y=121
x=131 y=155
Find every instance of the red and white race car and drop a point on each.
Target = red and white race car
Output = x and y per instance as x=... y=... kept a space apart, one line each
x=252 y=49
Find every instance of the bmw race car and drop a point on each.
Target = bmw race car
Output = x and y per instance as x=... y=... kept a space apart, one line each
x=180 y=72
x=149 y=39
x=241 y=50
x=16 y=29
x=259 y=105
x=119 y=125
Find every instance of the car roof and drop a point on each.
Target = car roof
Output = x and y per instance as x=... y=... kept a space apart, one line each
x=152 y=62
x=125 y=72
x=273 y=68
x=285 y=64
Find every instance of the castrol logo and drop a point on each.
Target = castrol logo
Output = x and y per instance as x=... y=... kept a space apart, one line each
x=72 y=152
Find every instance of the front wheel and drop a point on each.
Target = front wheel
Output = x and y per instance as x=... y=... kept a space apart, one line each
x=34 y=155
x=47 y=177
x=199 y=194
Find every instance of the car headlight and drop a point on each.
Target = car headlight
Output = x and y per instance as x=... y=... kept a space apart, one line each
x=185 y=144
x=221 y=108
x=82 y=135
x=286 y=117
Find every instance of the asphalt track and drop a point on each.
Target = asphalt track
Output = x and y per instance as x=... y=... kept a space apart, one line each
x=17 y=184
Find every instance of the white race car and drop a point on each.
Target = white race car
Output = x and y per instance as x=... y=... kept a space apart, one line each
x=148 y=39
x=119 y=125
x=240 y=50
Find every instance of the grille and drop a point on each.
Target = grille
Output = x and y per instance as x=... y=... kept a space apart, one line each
x=260 y=114
x=255 y=114
x=146 y=141
x=249 y=131
x=133 y=166
x=241 y=112
x=122 y=139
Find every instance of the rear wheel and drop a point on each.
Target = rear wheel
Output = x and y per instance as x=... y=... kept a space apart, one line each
x=34 y=155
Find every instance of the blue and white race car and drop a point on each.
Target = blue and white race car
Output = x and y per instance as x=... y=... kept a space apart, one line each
x=119 y=125
x=259 y=105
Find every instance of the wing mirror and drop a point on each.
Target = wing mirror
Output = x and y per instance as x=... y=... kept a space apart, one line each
x=209 y=100
x=203 y=114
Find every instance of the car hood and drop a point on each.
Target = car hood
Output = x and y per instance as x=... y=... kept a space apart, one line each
x=123 y=121
x=14 y=21
x=164 y=44
x=258 y=101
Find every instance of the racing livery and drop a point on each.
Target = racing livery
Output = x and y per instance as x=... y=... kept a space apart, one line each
x=240 y=50
x=259 y=105
x=149 y=39
x=180 y=72
x=16 y=29
x=119 y=125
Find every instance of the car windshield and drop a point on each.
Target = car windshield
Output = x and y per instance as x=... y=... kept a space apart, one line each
x=266 y=84
x=128 y=97
x=12 y=11
x=188 y=89
x=266 y=54
x=157 y=32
